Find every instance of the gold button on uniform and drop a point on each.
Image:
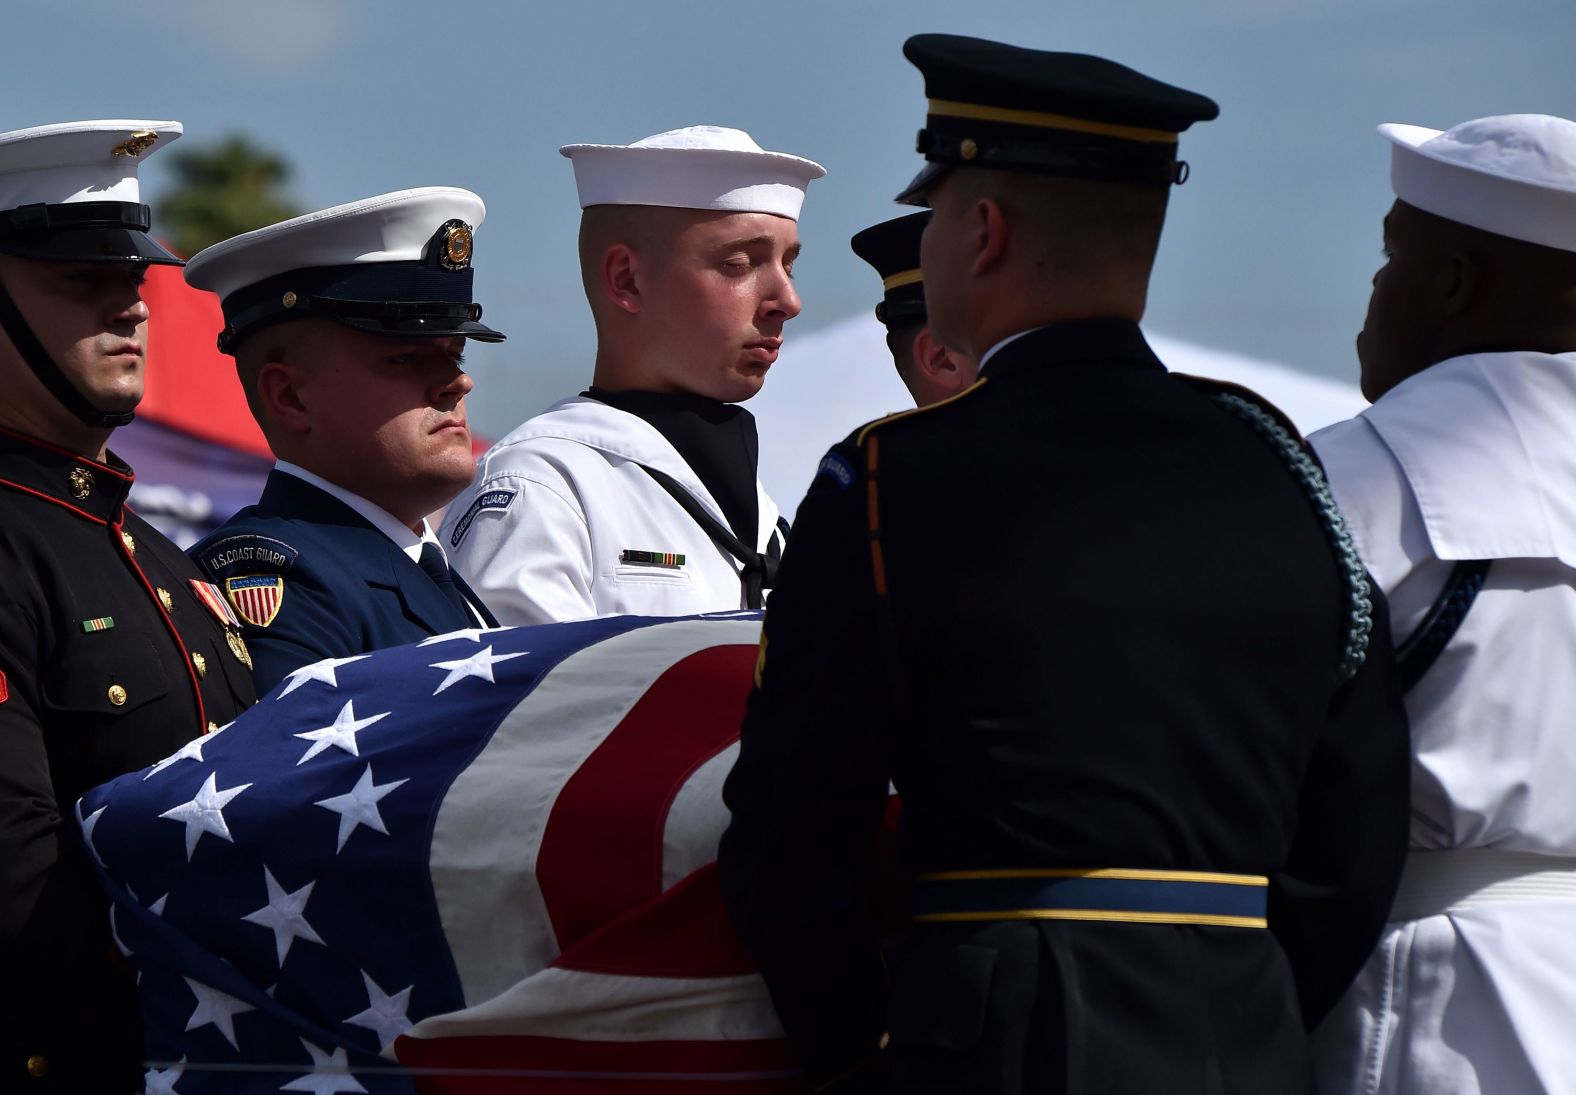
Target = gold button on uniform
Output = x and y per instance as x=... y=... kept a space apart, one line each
x=201 y=663
x=166 y=600
x=117 y=695
x=37 y=1066
x=130 y=541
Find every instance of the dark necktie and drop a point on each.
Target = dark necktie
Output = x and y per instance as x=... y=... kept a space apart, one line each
x=437 y=569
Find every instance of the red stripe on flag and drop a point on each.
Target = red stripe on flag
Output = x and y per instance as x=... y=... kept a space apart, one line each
x=683 y=933
x=755 y=1067
x=601 y=852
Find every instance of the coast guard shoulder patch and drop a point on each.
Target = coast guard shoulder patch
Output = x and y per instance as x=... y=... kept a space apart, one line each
x=247 y=553
x=486 y=500
x=256 y=597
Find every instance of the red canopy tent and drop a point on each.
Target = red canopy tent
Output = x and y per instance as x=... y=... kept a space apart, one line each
x=192 y=387
x=197 y=452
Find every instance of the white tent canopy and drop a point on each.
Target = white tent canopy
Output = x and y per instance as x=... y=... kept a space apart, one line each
x=830 y=381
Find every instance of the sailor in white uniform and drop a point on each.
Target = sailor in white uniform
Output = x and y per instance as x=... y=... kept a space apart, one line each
x=1459 y=484
x=640 y=495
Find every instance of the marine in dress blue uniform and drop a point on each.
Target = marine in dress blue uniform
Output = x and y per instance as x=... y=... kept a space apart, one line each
x=346 y=325
x=114 y=650
x=1103 y=629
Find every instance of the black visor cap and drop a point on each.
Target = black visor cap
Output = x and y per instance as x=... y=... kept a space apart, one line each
x=121 y=245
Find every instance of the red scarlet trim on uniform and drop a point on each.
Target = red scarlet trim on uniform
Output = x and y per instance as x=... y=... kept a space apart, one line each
x=51 y=498
x=169 y=625
x=5 y=692
x=41 y=443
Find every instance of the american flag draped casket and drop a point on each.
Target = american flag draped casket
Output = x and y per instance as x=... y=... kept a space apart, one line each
x=484 y=863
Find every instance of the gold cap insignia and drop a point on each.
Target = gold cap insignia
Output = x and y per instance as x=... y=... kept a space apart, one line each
x=455 y=246
x=136 y=144
x=81 y=483
x=968 y=149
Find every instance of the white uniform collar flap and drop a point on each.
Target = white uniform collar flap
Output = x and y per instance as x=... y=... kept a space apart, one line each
x=596 y=425
x=1485 y=443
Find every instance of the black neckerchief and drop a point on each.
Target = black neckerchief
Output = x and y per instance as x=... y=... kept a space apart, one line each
x=717 y=440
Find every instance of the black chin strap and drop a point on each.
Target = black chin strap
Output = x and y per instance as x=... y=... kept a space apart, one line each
x=48 y=373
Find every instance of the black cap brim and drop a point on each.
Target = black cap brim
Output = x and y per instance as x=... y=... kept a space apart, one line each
x=120 y=245
x=914 y=193
x=428 y=328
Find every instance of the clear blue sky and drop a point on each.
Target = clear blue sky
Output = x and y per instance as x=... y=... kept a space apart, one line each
x=1269 y=248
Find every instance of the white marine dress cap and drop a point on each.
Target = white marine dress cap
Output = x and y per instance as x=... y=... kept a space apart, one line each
x=697 y=167
x=69 y=192
x=1513 y=175
x=397 y=264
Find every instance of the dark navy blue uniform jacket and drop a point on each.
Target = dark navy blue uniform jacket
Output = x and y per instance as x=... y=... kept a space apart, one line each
x=345 y=588
x=1084 y=616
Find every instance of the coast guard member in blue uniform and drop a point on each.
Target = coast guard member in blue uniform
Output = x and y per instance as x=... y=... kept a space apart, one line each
x=1102 y=627
x=348 y=327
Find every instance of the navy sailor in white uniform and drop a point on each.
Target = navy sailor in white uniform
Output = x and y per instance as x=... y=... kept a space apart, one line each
x=1458 y=486
x=640 y=494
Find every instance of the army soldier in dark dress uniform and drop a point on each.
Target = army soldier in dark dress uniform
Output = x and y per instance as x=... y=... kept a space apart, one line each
x=114 y=651
x=930 y=371
x=1103 y=629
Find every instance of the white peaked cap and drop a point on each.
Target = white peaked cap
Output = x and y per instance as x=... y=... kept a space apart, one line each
x=93 y=161
x=1513 y=175
x=698 y=167
x=396 y=264
x=393 y=227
